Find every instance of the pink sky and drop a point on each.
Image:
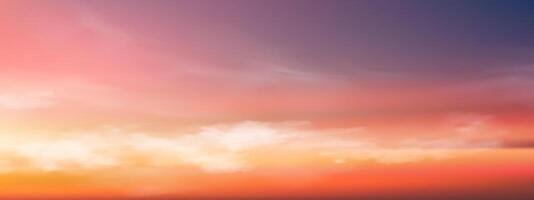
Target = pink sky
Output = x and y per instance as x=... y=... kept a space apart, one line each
x=331 y=96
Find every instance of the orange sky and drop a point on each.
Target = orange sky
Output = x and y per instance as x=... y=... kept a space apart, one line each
x=487 y=171
x=135 y=99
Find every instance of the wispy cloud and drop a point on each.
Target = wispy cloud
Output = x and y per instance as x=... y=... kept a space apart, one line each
x=223 y=147
x=27 y=100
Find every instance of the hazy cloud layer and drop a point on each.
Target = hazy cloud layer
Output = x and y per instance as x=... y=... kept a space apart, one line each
x=26 y=100
x=231 y=147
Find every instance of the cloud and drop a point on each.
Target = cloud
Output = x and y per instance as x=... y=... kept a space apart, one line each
x=26 y=100
x=223 y=147
x=213 y=149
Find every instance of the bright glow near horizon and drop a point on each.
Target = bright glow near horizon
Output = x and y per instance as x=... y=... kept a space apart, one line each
x=258 y=99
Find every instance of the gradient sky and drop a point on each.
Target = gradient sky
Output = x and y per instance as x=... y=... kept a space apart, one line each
x=285 y=99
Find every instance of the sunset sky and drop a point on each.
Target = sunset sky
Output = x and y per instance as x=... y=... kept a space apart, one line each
x=152 y=99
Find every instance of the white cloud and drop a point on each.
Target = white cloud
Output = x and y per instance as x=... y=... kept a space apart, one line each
x=217 y=148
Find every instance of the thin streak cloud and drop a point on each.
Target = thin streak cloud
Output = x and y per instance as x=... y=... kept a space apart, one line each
x=27 y=100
